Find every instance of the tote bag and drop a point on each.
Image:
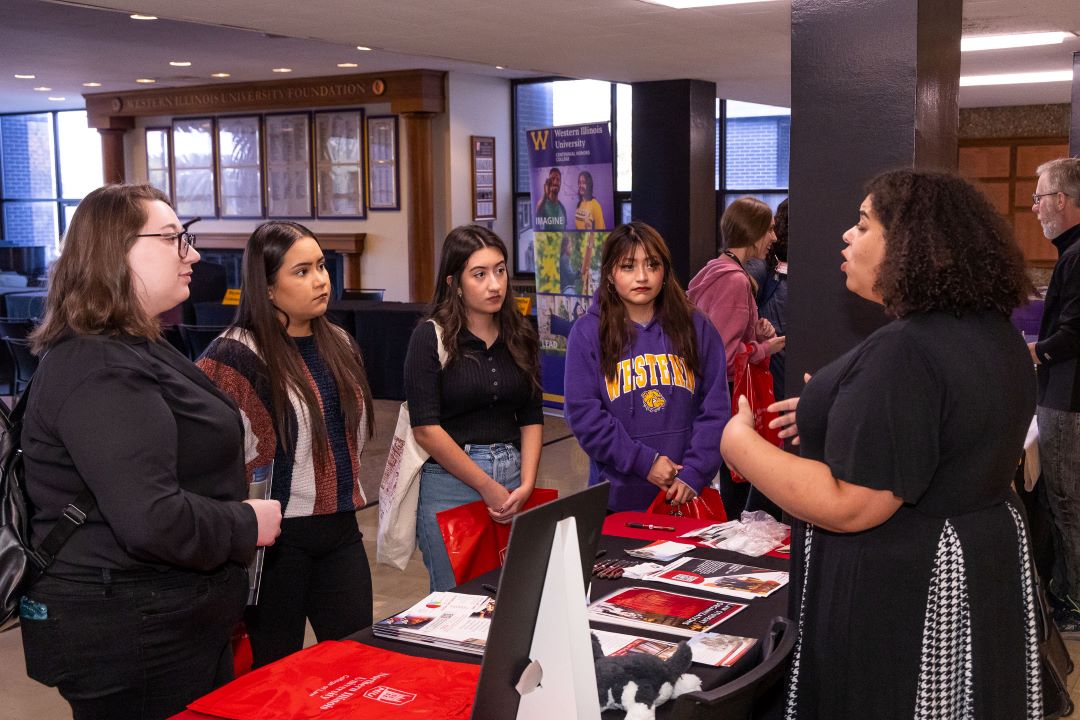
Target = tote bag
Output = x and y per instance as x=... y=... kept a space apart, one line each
x=755 y=382
x=399 y=489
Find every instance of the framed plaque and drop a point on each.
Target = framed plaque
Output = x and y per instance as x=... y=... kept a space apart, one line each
x=193 y=167
x=339 y=164
x=382 y=143
x=159 y=158
x=288 y=165
x=483 y=175
x=239 y=167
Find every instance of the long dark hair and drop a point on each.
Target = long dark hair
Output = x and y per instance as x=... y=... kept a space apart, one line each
x=449 y=308
x=673 y=310
x=90 y=287
x=263 y=257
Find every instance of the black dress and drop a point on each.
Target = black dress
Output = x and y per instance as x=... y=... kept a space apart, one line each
x=930 y=614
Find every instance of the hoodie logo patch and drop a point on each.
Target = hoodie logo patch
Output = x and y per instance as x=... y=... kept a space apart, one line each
x=653 y=400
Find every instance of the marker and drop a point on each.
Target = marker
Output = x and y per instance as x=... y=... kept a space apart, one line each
x=645 y=526
x=490 y=588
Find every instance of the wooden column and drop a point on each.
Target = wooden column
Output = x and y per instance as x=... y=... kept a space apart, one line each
x=112 y=155
x=674 y=163
x=421 y=207
x=1074 y=124
x=874 y=87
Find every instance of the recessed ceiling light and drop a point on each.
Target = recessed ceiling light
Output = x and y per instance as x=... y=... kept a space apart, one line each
x=91 y=84
x=685 y=4
x=25 y=77
x=219 y=75
x=499 y=67
x=180 y=63
x=1017 y=78
x=137 y=16
x=998 y=42
x=282 y=70
x=145 y=81
x=365 y=48
x=347 y=65
x=43 y=89
x=57 y=99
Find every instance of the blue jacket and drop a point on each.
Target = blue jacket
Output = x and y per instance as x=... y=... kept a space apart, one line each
x=654 y=405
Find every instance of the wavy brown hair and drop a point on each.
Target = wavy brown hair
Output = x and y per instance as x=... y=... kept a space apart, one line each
x=267 y=324
x=673 y=310
x=449 y=307
x=90 y=286
x=945 y=247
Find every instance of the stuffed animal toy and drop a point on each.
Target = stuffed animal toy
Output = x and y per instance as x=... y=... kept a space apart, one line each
x=639 y=683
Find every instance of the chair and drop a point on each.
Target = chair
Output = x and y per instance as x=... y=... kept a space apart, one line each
x=736 y=699
x=16 y=327
x=214 y=313
x=198 y=337
x=363 y=294
x=25 y=363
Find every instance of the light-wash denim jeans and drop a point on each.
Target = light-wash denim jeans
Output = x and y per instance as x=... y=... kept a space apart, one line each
x=1059 y=456
x=439 y=490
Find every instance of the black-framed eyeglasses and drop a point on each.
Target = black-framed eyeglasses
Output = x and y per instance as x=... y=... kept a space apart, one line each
x=184 y=241
x=1036 y=197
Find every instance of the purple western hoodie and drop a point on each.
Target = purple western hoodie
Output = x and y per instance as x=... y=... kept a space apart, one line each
x=654 y=405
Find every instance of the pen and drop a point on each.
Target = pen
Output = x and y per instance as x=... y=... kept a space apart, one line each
x=490 y=588
x=645 y=526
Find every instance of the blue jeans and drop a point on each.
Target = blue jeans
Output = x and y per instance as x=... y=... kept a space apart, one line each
x=439 y=490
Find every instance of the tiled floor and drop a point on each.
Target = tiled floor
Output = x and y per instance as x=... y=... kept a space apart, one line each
x=563 y=466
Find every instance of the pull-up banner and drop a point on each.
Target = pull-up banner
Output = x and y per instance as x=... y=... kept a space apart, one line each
x=573 y=203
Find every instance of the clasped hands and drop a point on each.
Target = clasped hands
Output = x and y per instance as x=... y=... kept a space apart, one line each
x=503 y=504
x=664 y=474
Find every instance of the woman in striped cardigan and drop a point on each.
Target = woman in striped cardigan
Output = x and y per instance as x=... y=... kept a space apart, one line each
x=300 y=384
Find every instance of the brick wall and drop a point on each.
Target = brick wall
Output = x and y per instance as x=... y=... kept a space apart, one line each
x=758 y=152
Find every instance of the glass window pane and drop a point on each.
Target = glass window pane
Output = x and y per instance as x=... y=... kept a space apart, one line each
x=31 y=223
x=288 y=166
x=758 y=148
x=80 y=155
x=240 y=167
x=624 y=106
x=157 y=159
x=29 y=163
x=193 y=154
x=773 y=200
x=194 y=193
x=625 y=212
x=339 y=187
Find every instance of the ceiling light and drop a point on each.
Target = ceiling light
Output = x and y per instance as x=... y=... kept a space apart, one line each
x=180 y=63
x=57 y=99
x=1017 y=78
x=43 y=89
x=998 y=42
x=91 y=84
x=684 y=4
x=137 y=16
x=499 y=67
x=365 y=48
x=347 y=65
x=282 y=70
x=145 y=81
x=25 y=77
x=219 y=75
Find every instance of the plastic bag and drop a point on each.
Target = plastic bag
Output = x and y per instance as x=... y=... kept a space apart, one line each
x=475 y=542
x=755 y=382
x=758 y=533
x=706 y=506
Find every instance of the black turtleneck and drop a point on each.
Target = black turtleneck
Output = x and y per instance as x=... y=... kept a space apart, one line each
x=1058 y=347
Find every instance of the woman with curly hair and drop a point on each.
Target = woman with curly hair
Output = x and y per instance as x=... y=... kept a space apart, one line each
x=917 y=585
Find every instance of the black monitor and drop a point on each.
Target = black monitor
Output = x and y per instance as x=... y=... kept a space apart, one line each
x=520 y=587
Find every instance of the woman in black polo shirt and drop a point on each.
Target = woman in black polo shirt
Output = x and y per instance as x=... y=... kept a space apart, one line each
x=480 y=416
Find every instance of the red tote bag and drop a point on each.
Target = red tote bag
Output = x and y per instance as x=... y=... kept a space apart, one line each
x=755 y=382
x=706 y=506
x=475 y=542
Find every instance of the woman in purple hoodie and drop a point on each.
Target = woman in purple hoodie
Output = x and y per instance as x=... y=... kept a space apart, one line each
x=646 y=391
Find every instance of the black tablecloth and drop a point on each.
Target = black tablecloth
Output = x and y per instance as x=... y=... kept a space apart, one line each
x=753 y=621
x=382 y=329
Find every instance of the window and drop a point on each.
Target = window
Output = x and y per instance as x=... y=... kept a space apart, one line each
x=158 y=161
x=50 y=162
x=755 y=144
x=239 y=167
x=193 y=147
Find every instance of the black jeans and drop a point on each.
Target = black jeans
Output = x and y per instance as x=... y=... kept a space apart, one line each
x=135 y=644
x=317 y=570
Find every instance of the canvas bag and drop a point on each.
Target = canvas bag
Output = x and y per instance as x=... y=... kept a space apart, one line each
x=399 y=489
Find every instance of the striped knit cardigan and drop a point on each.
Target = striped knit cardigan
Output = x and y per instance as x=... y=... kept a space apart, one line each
x=234 y=364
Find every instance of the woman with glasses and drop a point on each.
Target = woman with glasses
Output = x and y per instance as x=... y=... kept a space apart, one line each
x=133 y=617
x=300 y=385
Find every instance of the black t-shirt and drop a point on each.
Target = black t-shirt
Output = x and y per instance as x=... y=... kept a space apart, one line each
x=482 y=397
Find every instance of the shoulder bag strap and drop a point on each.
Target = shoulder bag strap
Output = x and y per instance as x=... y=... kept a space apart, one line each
x=443 y=356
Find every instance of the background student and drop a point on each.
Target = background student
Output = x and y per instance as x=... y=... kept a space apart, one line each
x=480 y=417
x=134 y=617
x=299 y=382
x=646 y=395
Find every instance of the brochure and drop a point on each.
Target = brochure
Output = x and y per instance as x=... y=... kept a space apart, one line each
x=262 y=478
x=662 y=550
x=708 y=648
x=452 y=621
x=743 y=581
x=661 y=610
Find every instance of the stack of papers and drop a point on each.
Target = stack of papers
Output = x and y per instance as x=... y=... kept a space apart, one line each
x=707 y=648
x=742 y=581
x=663 y=611
x=452 y=621
x=662 y=550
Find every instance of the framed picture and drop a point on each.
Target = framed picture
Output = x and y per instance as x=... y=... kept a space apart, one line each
x=159 y=158
x=240 y=167
x=483 y=175
x=288 y=165
x=339 y=164
x=382 y=141
x=193 y=167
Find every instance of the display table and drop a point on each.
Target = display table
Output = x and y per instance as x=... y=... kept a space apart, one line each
x=753 y=621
